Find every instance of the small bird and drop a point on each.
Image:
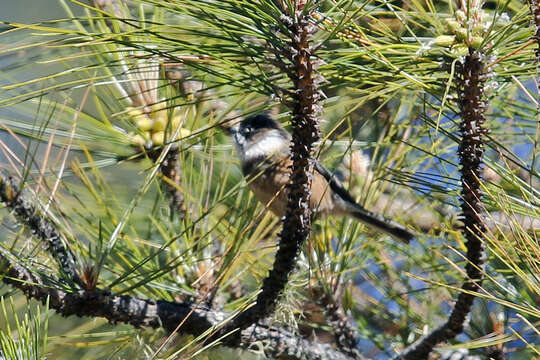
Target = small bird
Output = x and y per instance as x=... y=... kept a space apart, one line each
x=263 y=146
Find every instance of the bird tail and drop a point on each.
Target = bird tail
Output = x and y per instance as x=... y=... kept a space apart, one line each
x=346 y=203
x=381 y=223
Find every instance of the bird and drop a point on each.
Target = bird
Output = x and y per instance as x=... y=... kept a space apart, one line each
x=263 y=146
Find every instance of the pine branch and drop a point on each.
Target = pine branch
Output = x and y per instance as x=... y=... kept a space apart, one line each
x=494 y=353
x=171 y=171
x=95 y=302
x=345 y=333
x=26 y=213
x=170 y=168
x=535 y=11
x=305 y=132
x=109 y=5
x=471 y=79
x=279 y=343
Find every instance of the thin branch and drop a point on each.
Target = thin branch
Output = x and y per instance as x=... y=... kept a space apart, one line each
x=345 y=333
x=26 y=213
x=171 y=171
x=535 y=11
x=110 y=5
x=494 y=353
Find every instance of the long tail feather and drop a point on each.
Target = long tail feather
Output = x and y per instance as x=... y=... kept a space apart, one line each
x=382 y=224
x=350 y=206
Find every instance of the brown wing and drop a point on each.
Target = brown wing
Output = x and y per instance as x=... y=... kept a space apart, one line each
x=323 y=200
x=269 y=180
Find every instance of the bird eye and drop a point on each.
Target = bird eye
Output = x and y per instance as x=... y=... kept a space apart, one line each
x=247 y=131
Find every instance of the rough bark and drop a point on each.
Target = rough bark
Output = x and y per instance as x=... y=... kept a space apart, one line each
x=279 y=343
x=471 y=78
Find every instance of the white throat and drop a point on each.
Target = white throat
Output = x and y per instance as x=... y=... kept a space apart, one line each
x=273 y=142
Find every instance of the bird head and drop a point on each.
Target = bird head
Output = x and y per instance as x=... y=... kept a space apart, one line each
x=259 y=136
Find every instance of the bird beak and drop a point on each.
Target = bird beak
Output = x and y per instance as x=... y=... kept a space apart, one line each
x=234 y=132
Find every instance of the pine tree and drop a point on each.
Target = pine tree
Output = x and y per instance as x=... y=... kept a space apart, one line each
x=126 y=215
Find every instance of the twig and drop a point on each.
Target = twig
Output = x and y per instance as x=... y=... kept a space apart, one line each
x=170 y=169
x=535 y=11
x=527 y=43
x=27 y=214
x=112 y=5
x=345 y=333
x=494 y=353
